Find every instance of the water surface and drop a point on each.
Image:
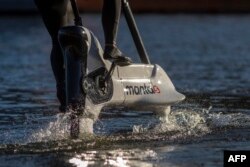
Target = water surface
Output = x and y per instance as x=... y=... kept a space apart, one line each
x=207 y=58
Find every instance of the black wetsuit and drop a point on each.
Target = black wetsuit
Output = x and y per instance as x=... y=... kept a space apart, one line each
x=55 y=15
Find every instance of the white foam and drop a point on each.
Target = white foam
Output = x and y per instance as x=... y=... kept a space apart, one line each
x=55 y=130
x=185 y=121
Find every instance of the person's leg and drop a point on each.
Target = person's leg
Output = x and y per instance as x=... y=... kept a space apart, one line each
x=110 y=20
x=54 y=14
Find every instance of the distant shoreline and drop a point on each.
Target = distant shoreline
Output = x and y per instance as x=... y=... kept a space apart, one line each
x=176 y=6
x=13 y=7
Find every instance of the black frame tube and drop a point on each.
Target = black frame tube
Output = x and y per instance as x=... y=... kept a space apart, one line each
x=135 y=32
x=78 y=19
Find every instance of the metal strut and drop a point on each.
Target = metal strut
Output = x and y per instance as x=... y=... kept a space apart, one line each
x=135 y=32
x=78 y=19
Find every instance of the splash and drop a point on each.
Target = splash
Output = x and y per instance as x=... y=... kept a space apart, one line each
x=61 y=127
x=233 y=120
x=55 y=130
x=182 y=121
x=179 y=124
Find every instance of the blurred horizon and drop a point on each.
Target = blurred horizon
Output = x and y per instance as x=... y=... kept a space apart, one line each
x=163 y=6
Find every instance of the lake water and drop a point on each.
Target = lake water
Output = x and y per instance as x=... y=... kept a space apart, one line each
x=207 y=58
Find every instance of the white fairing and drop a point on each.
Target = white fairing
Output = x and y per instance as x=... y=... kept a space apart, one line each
x=138 y=86
x=147 y=85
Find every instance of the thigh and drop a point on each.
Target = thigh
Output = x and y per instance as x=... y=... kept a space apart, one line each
x=54 y=14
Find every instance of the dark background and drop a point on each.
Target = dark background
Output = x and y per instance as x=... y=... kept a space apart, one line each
x=166 y=6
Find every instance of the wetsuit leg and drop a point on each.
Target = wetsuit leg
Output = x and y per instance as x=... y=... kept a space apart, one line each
x=110 y=19
x=55 y=15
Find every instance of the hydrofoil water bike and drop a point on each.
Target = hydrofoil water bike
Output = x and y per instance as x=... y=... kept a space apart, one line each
x=100 y=83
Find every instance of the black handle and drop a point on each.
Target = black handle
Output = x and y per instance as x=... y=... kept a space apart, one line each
x=78 y=19
x=135 y=32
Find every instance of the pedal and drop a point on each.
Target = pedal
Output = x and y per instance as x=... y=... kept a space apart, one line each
x=123 y=61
